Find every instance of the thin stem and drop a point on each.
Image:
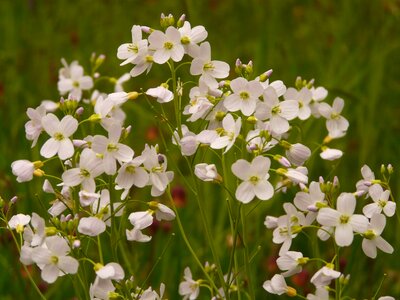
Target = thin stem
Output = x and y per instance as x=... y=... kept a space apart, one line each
x=246 y=254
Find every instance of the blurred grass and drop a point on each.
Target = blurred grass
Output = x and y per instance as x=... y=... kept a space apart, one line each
x=350 y=47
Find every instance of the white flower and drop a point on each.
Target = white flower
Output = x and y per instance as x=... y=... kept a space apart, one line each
x=381 y=202
x=207 y=172
x=189 y=288
x=279 y=113
x=190 y=37
x=277 y=285
x=24 y=169
x=166 y=45
x=33 y=128
x=303 y=97
x=372 y=237
x=111 y=149
x=271 y=222
x=298 y=175
x=90 y=166
x=87 y=198
x=18 y=222
x=297 y=153
x=231 y=130
x=130 y=51
x=162 y=211
x=156 y=165
x=54 y=259
x=321 y=293
x=140 y=220
x=102 y=208
x=149 y=294
x=37 y=234
x=188 y=142
x=255 y=179
x=103 y=285
x=203 y=65
x=364 y=184
x=72 y=80
x=144 y=62
x=59 y=131
x=91 y=226
x=131 y=174
x=311 y=201
x=335 y=123
x=324 y=276
x=343 y=219
x=162 y=93
x=118 y=83
x=291 y=262
x=244 y=97
x=330 y=154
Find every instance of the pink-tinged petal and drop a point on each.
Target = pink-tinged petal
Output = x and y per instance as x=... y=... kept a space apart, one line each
x=50 y=124
x=383 y=245
x=159 y=180
x=242 y=169
x=375 y=191
x=137 y=235
x=66 y=149
x=260 y=166
x=110 y=165
x=291 y=94
x=248 y=107
x=220 y=142
x=196 y=67
x=50 y=148
x=106 y=272
x=238 y=84
x=161 y=56
x=157 y=39
x=304 y=113
x=233 y=102
x=302 y=201
x=289 y=109
x=367 y=173
x=119 y=272
x=124 y=153
x=76 y=72
x=344 y=235
x=369 y=248
x=370 y=209
x=245 y=192
x=86 y=83
x=50 y=273
x=378 y=223
x=325 y=110
x=65 y=85
x=68 y=126
x=278 y=124
x=136 y=32
x=390 y=208
x=41 y=256
x=256 y=88
x=338 y=105
x=72 y=177
x=346 y=203
x=138 y=69
x=99 y=144
x=328 y=217
x=57 y=245
x=68 y=265
x=91 y=226
x=264 y=190
x=359 y=223
x=279 y=87
x=177 y=53
x=220 y=70
x=141 y=177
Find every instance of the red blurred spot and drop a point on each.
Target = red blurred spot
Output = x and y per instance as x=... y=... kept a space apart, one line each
x=74 y=38
x=179 y=195
x=152 y=133
x=301 y=279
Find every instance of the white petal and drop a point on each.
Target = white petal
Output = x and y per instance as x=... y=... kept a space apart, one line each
x=49 y=148
x=245 y=192
x=369 y=248
x=242 y=169
x=359 y=223
x=346 y=203
x=68 y=125
x=50 y=273
x=344 y=235
x=264 y=190
x=68 y=265
x=66 y=149
x=328 y=217
x=390 y=208
x=383 y=245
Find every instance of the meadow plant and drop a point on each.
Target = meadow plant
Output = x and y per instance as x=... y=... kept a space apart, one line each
x=243 y=135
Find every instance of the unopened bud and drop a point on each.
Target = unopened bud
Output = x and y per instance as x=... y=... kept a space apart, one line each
x=38 y=164
x=291 y=292
x=95 y=118
x=14 y=200
x=50 y=231
x=390 y=169
x=282 y=160
x=114 y=296
x=76 y=244
x=38 y=173
x=219 y=116
x=264 y=76
x=146 y=29
x=327 y=140
x=166 y=21
x=133 y=95
x=79 y=111
x=383 y=169
x=336 y=183
x=252 y=120
x=181 y=21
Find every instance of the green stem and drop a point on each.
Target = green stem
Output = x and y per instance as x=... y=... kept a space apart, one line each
x=185 y=239
x=246 y=254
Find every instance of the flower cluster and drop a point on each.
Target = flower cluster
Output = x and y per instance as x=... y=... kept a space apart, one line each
x=244 y=126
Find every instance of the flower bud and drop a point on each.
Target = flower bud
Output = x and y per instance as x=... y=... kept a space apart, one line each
x=390 y=169
x=38 y=173
x=79 y=111
x=264 y=76
x=50 y=231
x=181 y=21
x=14 y=200
x=94 y=118
x=291 y=292
x=252 y=120
x=166 y=21
x=76 y=244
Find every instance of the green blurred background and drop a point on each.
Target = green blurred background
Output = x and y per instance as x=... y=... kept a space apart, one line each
x=350 y=47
